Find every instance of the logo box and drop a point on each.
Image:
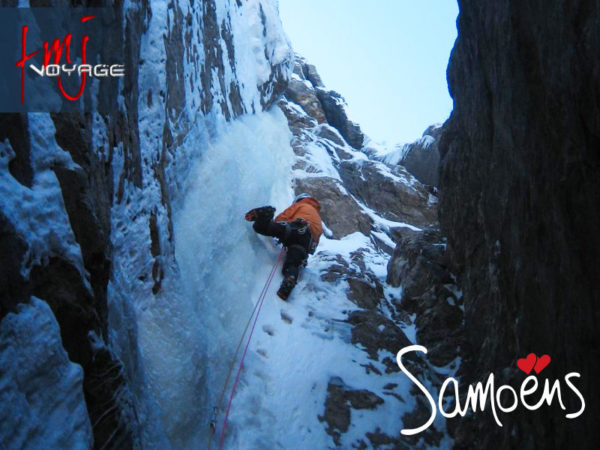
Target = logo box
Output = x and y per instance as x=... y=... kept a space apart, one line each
x=59 y=59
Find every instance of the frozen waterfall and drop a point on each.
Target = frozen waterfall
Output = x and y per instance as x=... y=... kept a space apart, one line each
x=190 y=336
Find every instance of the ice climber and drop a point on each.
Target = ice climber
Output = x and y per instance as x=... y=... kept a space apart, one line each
x=298 y=228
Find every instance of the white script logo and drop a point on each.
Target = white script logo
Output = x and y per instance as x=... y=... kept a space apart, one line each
x=503 y=398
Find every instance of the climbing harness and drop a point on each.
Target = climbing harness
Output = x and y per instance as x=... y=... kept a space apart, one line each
x=255 y=313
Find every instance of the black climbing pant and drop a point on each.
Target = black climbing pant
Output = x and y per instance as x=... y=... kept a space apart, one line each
x=295 y=236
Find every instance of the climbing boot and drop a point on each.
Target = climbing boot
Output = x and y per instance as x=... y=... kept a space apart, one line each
x=263 y=211
x=286 y=287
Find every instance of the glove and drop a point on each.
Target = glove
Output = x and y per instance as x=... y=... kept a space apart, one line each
x=263 y=211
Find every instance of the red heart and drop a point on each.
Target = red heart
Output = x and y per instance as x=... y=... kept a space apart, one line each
x=526 y=364
x=541 y=363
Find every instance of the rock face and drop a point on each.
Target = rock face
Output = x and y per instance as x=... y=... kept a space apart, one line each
x=334 y=199
x=422 y=158
x=420 y=265
x=338 y=406
x=351 y=176
x=86 y=199
x=389 y=191
x=303 y=93
x=333 y=105
x=519 y=204
x=306 y=89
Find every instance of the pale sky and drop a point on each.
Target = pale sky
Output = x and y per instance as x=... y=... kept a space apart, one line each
x=387 y=58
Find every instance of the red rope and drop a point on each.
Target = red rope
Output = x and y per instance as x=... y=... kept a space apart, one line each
x=237 y=377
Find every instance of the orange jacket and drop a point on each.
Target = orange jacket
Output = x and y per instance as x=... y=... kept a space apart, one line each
x=307 y=209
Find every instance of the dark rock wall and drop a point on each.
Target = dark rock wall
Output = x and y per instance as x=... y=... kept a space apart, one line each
x=420 y=265
x=519 y=203
x=81 y=312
